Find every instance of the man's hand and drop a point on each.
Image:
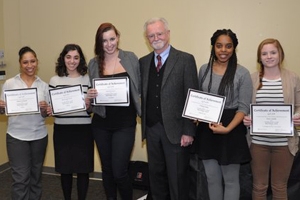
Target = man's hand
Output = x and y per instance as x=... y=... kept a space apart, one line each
x=186 y=140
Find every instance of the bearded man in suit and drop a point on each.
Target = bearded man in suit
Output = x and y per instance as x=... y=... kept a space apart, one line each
x=166 y=75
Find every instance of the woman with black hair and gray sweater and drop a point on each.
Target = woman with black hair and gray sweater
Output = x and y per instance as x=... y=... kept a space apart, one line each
x=223 y=146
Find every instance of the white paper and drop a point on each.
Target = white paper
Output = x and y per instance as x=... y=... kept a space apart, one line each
x=112 y=91
x=67 y=99
x=21 y=101
x=204 y=106
x=272 y=119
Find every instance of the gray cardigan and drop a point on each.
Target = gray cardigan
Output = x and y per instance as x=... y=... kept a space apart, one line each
x=242 y=88
x=131 y=64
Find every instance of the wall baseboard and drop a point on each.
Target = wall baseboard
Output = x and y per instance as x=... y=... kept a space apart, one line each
x=4 y=167
x=51 y=171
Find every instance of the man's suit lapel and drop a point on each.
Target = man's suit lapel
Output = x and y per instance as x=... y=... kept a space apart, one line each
x=146 y=73
x=171 y=60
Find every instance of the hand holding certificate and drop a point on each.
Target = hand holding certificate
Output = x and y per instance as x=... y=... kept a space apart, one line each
x=203 y=106
x=67 y=99
x=272 y=119
x=112 y=91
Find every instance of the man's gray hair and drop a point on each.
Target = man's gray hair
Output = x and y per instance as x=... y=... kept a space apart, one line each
x=156 y=19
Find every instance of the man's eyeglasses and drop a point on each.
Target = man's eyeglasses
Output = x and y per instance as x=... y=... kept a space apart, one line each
x=158 y=35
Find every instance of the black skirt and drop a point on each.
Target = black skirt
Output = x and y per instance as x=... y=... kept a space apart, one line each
x=231 y=148
x=73 y=148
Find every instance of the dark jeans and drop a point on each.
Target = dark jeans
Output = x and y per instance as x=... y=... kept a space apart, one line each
x=115 y=147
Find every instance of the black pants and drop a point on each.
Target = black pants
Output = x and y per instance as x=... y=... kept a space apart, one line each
x=115 y=147
x=168 y=166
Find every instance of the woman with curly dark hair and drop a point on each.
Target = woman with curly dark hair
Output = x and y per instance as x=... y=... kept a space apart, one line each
x=73 y=142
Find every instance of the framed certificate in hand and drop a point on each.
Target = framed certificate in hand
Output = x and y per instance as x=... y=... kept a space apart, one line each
x=272 y=119
x=21 y=101
x=112 y=91
x=67 y=99
x=202 y=106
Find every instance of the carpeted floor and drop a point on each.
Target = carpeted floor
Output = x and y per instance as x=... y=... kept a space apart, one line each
x=52 y=189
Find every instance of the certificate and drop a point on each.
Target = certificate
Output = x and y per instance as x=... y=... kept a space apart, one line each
x=112 y=91
x=272 y=119
x=21 y=101
x=67 y=99
x=202 y=106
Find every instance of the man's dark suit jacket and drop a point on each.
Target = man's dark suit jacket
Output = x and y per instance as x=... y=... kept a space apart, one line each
x=180 y=74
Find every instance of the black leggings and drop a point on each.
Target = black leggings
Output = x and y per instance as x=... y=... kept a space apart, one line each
x=82 y=185
x=115 y=147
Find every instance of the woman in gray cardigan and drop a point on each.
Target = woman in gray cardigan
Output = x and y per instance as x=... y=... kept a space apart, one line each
x=114 y=126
